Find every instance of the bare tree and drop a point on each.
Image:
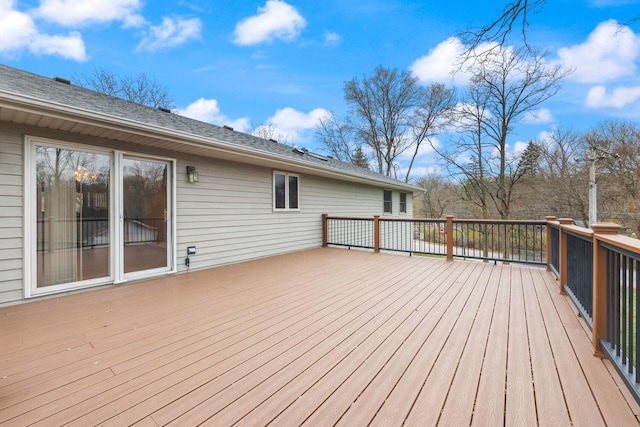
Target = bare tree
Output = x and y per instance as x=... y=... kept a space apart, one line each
x=139 y=88
x=390 y=114
x=438 y=198
x=337 y=138
x=514 y=18
x=562 y=189
x=619 y=171
x=270 y=131
x=380 y=109
x=431 y=117
x=506 y=85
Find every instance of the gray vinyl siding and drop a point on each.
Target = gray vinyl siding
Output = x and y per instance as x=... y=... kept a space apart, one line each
x=11 y=229
x=228 y=215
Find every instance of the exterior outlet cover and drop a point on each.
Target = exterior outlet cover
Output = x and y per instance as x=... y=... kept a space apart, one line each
x=191 y=250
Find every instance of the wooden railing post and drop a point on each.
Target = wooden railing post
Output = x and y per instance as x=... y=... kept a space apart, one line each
x=562 y=255
x=549 y=219
x=449 y=237
x=599 y=329
x=325 y=230
x=376 y=233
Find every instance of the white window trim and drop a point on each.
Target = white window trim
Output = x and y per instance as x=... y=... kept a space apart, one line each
x=286 y=191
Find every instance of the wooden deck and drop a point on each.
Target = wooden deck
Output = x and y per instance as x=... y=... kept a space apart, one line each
x=320 y=337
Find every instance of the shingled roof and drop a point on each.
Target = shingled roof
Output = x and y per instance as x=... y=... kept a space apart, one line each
x=23 y=91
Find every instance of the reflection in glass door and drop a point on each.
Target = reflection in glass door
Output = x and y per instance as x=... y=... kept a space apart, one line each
x=72 y=228
x=145 y=229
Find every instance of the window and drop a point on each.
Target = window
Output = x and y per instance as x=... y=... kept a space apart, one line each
x=388 y=194
x=403 y=202
x=285 y=191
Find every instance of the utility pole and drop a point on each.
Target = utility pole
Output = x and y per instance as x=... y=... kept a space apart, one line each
x=592 y=157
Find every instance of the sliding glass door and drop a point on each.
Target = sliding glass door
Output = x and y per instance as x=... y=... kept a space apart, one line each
x=145 y=227
x=95 y=216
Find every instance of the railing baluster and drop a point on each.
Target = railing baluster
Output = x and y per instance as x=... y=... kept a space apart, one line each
x=637 y=318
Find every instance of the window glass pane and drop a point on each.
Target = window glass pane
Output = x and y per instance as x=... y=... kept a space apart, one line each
x=279 y=189
x=72 y=225
x=403 y=202
x=387 y=200
x=293 y=192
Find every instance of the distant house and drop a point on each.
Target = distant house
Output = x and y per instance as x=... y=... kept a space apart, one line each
x=95 y=190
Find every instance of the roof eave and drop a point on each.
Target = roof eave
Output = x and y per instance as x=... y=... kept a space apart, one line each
x=253 y=155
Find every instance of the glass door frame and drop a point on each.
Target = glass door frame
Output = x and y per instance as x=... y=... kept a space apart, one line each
x=171 y=267
x=116 y=236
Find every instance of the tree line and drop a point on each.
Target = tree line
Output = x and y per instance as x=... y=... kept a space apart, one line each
x=558 y=182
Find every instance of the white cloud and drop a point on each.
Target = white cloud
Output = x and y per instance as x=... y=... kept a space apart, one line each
x=276 y=20
x=535 y=117
x=443 y=63
x=207 y=110
x=292 y=124
x=170 y=33
x=74 y=13
x=18 y=31
x=619 y=98
x=70 y=46
x=610 y=3
x=440 y=63
x=610 y=52
x=519 y=147
x=332 y=39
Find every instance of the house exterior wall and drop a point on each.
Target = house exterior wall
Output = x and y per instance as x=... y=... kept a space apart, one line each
x=228 y=215
x=11 y=229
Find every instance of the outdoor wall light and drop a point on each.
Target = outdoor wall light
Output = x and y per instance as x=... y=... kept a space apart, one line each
x=192 y=174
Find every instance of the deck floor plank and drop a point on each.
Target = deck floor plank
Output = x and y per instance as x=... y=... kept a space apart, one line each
x=550 y=404
x=428 y=405
x=520 y=402
x=490 y=398
x=583 y=407
x=458 y=408
x=319 y=337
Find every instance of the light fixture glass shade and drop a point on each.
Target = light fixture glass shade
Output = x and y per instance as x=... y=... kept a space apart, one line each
x=192 y=174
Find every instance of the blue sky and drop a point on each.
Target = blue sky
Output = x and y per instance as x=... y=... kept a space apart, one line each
x=247 y=63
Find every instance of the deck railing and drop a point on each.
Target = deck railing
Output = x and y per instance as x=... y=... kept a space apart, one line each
x=616 y=295
x=579 y=284
x=489 y=240
x=599 y=270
